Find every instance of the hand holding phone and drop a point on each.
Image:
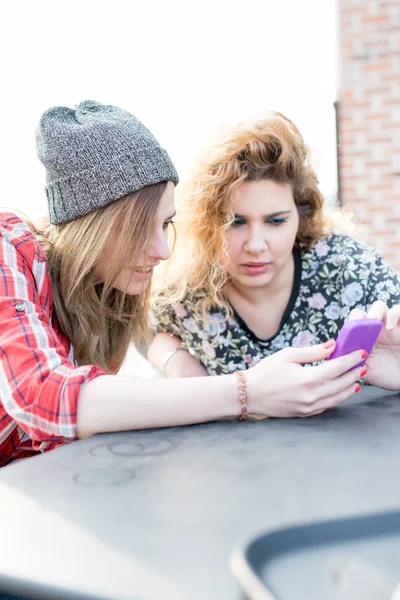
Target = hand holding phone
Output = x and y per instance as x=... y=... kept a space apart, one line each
x=357 y=334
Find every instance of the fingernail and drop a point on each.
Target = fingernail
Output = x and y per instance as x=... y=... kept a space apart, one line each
x=364 y=354
x=358 y=388
x=329 y=344
x=363 y=372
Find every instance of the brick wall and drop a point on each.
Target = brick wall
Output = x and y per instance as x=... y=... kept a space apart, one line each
x=369 y=120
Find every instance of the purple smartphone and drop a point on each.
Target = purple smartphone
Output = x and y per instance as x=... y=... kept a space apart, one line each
x=359 y=334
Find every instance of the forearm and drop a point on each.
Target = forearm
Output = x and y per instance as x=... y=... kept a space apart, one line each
x=111 y=403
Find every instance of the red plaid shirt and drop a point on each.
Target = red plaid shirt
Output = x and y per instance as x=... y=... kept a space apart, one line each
x=39 y=383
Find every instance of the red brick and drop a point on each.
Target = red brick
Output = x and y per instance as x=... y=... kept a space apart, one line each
x=354 y=177
x=347 y=130
x=350 y=105
x=380 y=66
x=383 y=233
x=373 y=140
x=391 y=259
x=377 y=90
x=375 y=82
x=352 y=153
x=352 y=9
x=376 y=18
x=376 y=116
x=377 y=187
x=391 y=77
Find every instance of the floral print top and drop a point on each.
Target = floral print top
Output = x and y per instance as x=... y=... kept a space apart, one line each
x=336 y=275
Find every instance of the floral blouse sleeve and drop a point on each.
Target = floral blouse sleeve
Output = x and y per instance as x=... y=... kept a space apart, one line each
x=383 y=283
x=366 y=277
x=197 y=336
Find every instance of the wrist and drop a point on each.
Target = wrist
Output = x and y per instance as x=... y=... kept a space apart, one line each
x=253 y=400
x=242 y=394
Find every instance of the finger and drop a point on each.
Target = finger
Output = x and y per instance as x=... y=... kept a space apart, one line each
x=310 y=353
x=393 y=317
x=328 y=403
x=357 y=313
x=337 y=366
x=378 y=310
x=335 y=386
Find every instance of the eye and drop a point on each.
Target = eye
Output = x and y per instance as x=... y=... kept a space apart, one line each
x=238 y=221
x=275 y=221
x=165 y=226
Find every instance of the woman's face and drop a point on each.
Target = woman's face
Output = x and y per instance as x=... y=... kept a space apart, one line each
x=134 y=280
x=261 y=238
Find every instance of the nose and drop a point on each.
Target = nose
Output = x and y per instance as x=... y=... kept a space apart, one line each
x=159 y=249
x=256 y=243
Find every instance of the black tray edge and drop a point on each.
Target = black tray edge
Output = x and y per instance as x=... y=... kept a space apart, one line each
x=240 y=563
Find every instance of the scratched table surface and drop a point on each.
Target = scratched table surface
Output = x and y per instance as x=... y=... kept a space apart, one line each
x=156 y=514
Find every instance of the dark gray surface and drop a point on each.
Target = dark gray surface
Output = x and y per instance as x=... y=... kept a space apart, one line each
x=155 y=514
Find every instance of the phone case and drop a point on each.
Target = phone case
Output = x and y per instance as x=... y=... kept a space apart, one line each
x=358 y=334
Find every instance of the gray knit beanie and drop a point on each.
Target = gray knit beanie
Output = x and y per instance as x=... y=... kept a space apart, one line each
x=95 y=154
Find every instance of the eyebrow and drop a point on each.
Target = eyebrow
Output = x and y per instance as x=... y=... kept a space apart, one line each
x=271 y=216
x=171 y=217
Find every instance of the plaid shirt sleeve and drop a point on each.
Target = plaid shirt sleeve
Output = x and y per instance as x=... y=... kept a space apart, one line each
x=39 y=386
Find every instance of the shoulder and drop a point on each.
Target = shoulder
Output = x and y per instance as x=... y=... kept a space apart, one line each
x=340 y=264
x=188 y=315
x=343 y=251
x=16 y=233
x=165 y=305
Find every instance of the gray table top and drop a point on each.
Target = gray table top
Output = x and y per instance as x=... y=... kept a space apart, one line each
x=155 y=514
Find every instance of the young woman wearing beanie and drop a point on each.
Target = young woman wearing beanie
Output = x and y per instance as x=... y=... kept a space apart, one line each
x=262 y=268
x=74 y=294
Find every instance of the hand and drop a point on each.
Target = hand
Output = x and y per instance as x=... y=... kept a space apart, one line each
x=278 y=386
x=383 y=364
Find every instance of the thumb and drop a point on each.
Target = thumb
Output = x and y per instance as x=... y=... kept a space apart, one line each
x=311 y=353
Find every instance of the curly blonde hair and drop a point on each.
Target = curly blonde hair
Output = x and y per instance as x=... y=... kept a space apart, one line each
x=270 y=148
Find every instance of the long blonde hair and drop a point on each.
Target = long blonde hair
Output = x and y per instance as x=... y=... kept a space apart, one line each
x=270 y=147
x=99 y=320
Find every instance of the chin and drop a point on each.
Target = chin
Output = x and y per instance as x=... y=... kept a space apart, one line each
x=134 y=289
x=255 y=282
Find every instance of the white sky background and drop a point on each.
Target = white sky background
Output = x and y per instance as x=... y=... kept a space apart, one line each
x=182 y=67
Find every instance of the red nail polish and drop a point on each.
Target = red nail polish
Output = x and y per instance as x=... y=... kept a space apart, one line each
x=358 y=388
x=364 y=354
x=363 y=372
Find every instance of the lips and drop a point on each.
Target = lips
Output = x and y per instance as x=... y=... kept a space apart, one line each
x=145 y=272
x=255 y=268
x=146 y=269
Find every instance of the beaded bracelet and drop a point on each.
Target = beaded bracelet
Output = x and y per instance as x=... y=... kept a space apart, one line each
x=242 y=395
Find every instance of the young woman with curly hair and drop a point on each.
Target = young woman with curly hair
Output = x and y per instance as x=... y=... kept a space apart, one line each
x=258 y=266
